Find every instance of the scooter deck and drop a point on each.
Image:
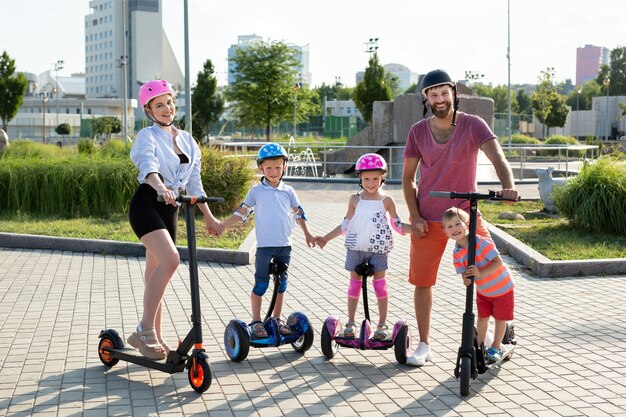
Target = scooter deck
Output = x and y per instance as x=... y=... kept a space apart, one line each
x=506 y=355
x=134 y=356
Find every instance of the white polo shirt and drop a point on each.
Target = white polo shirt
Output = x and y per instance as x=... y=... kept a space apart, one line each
x=273 y=215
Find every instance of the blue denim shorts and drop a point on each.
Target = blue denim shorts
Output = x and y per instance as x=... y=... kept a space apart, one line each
x=263 y=258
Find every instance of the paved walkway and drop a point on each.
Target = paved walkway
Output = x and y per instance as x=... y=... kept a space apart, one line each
x=570 y=359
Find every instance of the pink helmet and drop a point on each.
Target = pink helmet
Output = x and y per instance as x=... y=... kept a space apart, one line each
x=370 y=162
x=152 y=89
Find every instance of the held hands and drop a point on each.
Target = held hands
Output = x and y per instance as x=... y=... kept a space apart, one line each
x=321 y=241
x=311 y=240
x=213 y=226
x=419 y=227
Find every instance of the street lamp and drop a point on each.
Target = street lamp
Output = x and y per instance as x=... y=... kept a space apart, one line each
x=473 y=75
x=606 y=83
x=297 y=86
x=58 y=66
x=371 y=46
x=43 y=110
x=580 y=90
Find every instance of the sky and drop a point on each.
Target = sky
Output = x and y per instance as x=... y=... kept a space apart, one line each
x=454 y=35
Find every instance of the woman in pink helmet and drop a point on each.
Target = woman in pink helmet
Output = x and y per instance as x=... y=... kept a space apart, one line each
x=367 y=231
x=168 y=160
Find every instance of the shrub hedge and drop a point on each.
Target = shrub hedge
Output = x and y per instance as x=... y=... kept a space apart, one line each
x=595 y=200
x=45 y=179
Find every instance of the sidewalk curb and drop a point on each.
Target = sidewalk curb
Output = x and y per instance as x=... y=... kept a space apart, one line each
x=242 y=256
x=543 y=267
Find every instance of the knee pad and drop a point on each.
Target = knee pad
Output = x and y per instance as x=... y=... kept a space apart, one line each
x=260 y=287
x=354 y=289
x=380 y=288
x=283 y=285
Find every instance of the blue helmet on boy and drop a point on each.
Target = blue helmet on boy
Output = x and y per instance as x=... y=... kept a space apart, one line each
x=271 y=150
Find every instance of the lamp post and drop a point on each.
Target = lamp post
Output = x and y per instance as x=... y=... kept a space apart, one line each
x=297 y=86
x=578 y=111
x=473 y=76
x=606 y=83
x=371 y=46
x=43 y=112
x=58 y=66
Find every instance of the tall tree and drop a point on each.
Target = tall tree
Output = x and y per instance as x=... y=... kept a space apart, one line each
x=617 y=72
x=12 y=89
x=523 y=102
x=373 y=87
x=549 y=106
x=206 y=102
x=263 y=91
x=583 y=100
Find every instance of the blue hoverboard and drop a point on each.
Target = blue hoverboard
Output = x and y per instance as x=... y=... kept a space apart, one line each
x=238 y=335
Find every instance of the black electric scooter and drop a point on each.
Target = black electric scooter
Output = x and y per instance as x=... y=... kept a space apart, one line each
x=111 y=347
x=471 y=358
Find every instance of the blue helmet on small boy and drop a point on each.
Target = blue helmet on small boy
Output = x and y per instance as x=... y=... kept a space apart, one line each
x=271 y=151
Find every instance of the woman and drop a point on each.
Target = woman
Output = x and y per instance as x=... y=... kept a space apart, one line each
x=168 y=160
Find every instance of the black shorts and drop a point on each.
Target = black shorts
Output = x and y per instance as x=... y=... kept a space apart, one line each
x=146 y=214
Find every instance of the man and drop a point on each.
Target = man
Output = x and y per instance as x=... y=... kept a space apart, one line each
x=445 y=147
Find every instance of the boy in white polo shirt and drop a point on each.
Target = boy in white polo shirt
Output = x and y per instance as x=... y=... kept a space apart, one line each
x=276 y=209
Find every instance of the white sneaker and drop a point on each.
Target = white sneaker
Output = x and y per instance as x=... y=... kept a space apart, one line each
x=421 y=355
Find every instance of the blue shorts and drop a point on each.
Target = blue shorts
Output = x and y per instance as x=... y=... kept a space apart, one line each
x=263 y=259
x=355 y=257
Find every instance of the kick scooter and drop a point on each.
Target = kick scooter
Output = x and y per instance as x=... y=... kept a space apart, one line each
x=331 y=339
x=111 y=347
x=471 y=359
x=238 y=336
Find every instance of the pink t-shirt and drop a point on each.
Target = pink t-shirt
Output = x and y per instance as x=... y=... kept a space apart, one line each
x=446 y=167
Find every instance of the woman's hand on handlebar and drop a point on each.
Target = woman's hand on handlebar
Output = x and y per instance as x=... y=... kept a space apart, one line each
x=168 y=196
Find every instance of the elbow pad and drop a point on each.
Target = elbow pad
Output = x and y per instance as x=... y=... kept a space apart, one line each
x=344 y=225
x=246 y=215
x=300 y=214
x=396 y=224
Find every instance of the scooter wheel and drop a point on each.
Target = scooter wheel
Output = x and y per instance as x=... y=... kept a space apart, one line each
x=305 y=341
x=402 y=344
x=199 y=374
x=465 y=375
x=329 y=346
x=108 y=341
x=236 y=342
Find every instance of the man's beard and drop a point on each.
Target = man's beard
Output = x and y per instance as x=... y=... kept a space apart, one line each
x=443 y=113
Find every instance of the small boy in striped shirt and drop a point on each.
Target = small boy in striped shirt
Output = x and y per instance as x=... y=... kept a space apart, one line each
x=494 y=284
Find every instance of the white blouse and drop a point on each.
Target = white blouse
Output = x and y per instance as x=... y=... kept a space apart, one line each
x=153 y=151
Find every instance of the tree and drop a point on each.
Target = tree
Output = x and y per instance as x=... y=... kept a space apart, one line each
x=549 y=106
x=63 y=129
x=206 y=102
x=524 y=102
x=263 y=91
x=373 y=87
x=616 y=73
x=104 y=126
x=500 y=96
x=583 y=100
x=12 y=89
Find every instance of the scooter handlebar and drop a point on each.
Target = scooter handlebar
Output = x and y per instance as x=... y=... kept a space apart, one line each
x=491 y=195
x=194 y=199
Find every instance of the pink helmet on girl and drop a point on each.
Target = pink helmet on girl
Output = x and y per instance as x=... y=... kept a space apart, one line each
x=152 y=89
x=370 y=162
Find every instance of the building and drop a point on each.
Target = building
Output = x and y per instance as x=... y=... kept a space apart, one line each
x=588 y=61
x=404 y=76
x=243 y=41
x=146 y=55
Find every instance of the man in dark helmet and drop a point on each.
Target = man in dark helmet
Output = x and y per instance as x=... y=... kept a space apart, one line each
x=445 y=148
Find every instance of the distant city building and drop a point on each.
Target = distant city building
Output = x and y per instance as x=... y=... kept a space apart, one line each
x=403 y=74
x=588 y=61
x=243 y=41
x=149 y=54
x=341 y=108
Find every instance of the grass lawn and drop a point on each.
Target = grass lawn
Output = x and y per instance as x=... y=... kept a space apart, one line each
x=553 y=237
x=117 y=228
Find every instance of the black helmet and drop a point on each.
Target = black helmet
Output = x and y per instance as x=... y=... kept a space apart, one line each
x=433 y=79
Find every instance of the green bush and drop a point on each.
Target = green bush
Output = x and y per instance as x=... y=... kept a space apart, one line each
x=227 y=177
x=115 y=148
x=561 y=140
x=595 y=200
x=46 y=182
x=85 y=146
x=27 y=149
x=519 y=139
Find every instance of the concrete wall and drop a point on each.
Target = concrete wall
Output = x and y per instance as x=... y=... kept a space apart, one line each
x=391 y=121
